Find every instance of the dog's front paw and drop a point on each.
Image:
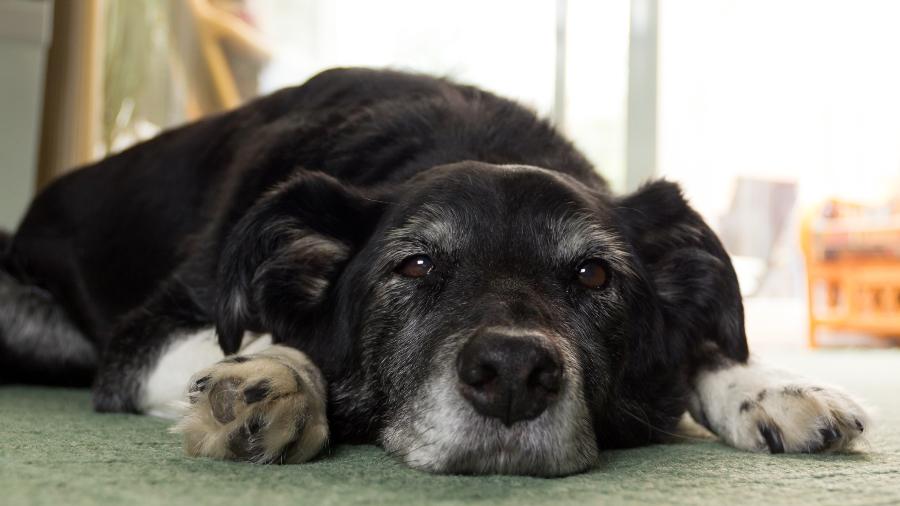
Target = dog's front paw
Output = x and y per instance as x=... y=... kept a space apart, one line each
x=263 y=408
x=797 y=418
x=760 y=409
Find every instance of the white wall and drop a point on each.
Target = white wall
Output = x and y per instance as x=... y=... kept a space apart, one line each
x=506 y=46
x=24 y=33
x=805 y=90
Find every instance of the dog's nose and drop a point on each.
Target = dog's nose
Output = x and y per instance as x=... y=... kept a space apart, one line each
x=509 y=377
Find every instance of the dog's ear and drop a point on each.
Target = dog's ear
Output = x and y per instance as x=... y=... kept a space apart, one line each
x=281 y=259
x=688 y=267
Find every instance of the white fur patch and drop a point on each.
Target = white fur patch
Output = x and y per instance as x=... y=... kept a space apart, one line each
x=441 y=432
x=758 y=408
x=165 y=389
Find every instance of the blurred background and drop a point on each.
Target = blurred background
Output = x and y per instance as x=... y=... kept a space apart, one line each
x=780 y=118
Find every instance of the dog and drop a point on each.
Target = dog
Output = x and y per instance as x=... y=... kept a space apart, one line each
x=391 y=258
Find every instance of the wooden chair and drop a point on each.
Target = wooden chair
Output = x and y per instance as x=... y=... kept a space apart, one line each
x=853 y=270
x=215 y=27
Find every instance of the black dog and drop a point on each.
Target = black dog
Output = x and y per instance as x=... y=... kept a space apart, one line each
x=455 y=271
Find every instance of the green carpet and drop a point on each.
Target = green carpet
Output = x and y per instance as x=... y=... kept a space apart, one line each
x=54 y=450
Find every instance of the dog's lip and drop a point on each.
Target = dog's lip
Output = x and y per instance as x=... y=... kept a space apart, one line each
x=506 y=455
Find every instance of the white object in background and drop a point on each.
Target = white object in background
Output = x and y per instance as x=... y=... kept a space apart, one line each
x=25 y=32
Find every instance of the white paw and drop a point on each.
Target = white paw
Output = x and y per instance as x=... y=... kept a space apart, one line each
x=794 y=418
x=759 y=409
x=263 y=408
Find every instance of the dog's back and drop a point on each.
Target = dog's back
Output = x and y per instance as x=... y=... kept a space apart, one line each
x=99 y=241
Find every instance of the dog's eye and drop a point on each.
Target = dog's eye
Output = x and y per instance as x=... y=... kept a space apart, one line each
x=592 y=274
x=416 y=266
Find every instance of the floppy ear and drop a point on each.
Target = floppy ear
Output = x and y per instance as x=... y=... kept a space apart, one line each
x=281 y=258
x=689 y=269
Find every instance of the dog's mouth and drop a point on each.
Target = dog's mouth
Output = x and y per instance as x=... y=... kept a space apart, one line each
x=526 y=448
x=442 y=431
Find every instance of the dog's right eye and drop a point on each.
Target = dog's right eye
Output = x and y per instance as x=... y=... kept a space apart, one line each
x=416 y=266
x=592 y=274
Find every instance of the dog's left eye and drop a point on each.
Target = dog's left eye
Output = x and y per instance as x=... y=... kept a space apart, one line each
x=416 y=266
x=592 y=274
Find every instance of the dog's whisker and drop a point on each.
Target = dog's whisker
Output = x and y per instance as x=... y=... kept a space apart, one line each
x=660 y=430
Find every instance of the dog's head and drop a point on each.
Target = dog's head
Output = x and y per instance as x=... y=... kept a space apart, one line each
x=483 y=318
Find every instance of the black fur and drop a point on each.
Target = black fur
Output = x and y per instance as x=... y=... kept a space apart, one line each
x=282 y=216
x=38 y=342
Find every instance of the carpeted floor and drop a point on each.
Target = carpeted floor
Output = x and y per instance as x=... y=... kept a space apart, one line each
x=54 y=450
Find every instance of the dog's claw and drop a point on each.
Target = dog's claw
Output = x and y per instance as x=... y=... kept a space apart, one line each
x=830 y=435
x=199 y=385
x=772 y=435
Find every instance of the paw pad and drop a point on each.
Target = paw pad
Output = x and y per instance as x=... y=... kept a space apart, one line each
x=243 y=442
x=222 y=397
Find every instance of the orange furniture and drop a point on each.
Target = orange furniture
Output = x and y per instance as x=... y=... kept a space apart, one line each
x=853 y=269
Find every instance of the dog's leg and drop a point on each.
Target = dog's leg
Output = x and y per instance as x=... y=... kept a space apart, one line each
x=140 y=343
x=266 y=404
x=757 y=408
x=266 y=407
x=39 y=343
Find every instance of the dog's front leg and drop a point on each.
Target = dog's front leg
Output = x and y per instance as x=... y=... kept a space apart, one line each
x=757 y=408
x=267 y=407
